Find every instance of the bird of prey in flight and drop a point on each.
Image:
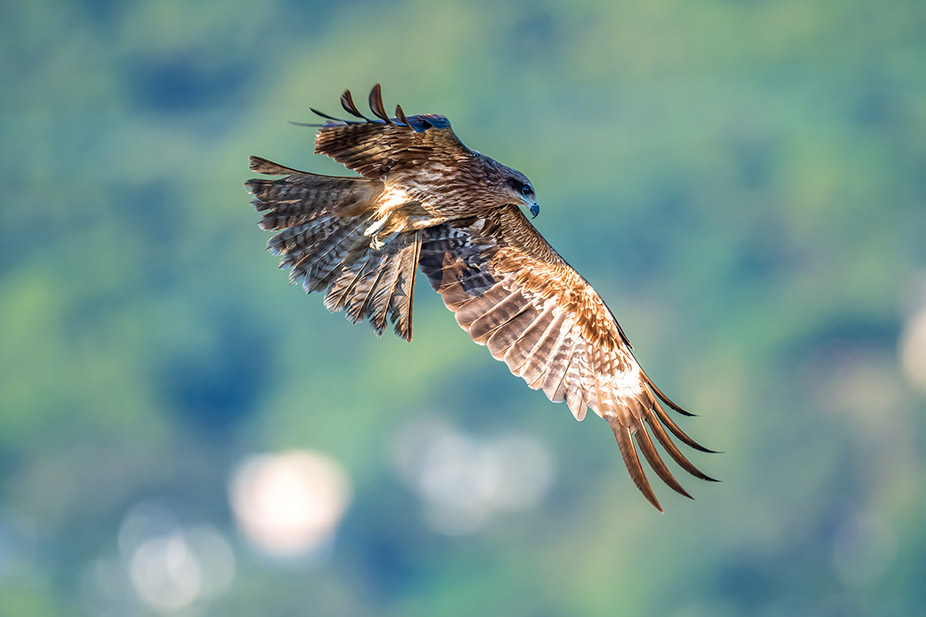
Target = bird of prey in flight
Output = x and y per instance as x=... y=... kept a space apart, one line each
x=425 y=201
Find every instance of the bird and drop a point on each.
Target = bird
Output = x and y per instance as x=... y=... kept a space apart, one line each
x=424 y=201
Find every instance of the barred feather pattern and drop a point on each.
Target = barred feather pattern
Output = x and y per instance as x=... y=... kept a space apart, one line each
x=379 y=286
x=512 y=293
x=320 y=223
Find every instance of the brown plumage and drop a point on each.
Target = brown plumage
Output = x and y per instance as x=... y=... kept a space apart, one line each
x=424 y=200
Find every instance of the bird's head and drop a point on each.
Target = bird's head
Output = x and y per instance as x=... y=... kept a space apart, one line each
x=513 y=187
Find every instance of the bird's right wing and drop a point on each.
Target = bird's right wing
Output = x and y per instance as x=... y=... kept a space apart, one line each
x=514 y=294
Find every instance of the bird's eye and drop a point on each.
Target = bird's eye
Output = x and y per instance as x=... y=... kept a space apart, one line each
x=521 y=187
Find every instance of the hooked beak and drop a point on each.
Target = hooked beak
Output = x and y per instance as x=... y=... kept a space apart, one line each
x=535 y=209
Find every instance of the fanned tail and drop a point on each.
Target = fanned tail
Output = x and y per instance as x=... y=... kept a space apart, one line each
x=320 y=222
x=380 y=286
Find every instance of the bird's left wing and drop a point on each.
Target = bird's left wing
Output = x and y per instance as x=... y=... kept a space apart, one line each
x=514 y=294
x=411 y=151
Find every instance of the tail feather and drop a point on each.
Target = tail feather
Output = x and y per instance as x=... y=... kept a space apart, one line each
x=320 y=223
x=358 y=305
x=342 y=288
x=263 y=166
x=346 y=249
x=402 y=301
x=379 y=286
x=294 y=239
x=305 y=193
x=314 y=261
x=386 y=290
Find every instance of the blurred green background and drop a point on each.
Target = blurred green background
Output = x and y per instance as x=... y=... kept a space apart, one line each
x=743 y=182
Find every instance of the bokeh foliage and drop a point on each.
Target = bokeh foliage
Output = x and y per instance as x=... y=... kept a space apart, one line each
x=743 y=182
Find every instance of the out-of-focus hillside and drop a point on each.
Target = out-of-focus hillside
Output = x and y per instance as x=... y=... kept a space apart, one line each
x=182 y=433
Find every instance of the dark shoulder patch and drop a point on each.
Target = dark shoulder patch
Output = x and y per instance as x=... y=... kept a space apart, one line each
x=423 y=122
x=436 y=120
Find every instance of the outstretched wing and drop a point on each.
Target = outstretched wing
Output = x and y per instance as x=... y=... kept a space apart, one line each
x=513 y=293
x=414 y=151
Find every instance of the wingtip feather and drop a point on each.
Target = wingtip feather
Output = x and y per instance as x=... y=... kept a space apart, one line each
x=331 y=118
x=376 y=104
x=264 y=166
x=674 y=452
x=676 y=430
x=656 y=462
x=665 y=399
x=347 y=102
x=628 y=450
x=400 y=115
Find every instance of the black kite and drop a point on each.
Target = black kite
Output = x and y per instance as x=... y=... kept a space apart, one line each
x=424 y=200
